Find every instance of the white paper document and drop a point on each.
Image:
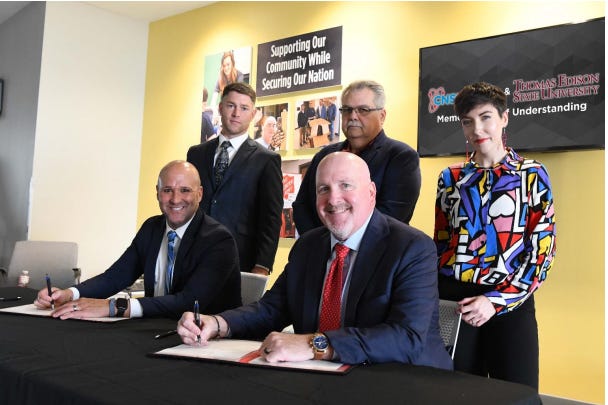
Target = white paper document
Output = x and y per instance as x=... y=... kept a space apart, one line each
x=246 y=352
x=30 y=309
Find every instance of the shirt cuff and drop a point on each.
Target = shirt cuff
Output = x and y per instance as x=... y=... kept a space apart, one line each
x=75 y=293
x=136 y=310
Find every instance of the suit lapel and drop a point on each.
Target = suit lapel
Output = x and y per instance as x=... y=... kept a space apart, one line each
x=209 y=155
x=374 y=151
x=184 y=248
x=239 y=162
x=370 y=252
x=150 y=266
x=313 y=284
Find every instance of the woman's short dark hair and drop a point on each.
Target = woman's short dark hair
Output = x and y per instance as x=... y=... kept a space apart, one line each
x=479 y=93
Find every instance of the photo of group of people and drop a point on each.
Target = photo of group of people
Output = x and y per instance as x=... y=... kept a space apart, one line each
x=317 y=122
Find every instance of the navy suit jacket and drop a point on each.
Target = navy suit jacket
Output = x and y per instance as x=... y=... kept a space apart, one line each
x=249 y=201
x=206 y=269
x=394 y=168
x=392 y=306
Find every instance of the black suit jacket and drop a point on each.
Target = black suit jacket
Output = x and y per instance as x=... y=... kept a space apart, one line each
x=249 y=201
x=206 y=269
x=392 y=306
x=394 y=168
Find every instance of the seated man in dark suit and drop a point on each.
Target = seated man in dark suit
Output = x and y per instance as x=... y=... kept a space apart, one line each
x=394 y=166
x=183 y=254
x=374 y=299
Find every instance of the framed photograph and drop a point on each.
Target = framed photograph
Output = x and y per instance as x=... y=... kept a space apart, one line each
x=317 y=121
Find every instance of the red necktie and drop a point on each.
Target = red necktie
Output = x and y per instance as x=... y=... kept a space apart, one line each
x=332 y=292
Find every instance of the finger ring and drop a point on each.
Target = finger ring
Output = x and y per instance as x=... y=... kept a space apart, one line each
x=75 y=307
x=266 y=351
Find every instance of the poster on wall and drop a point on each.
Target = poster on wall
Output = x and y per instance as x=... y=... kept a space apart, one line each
x=553 y=78
x=269 y=126
x=222 y=68
x=302 y=62
x=293 y=172
x=317 y=121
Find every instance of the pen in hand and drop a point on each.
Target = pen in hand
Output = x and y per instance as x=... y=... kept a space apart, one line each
x=48 y=287
x=197 y=319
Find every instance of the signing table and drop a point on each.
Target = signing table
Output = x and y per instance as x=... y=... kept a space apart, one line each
x=49 y=361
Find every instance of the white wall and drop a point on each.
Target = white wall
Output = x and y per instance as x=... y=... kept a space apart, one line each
x=88 y=132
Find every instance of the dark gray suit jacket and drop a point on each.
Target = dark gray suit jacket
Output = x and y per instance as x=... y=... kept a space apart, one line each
x=394 y=168
x=249 y=201
x=392 y=306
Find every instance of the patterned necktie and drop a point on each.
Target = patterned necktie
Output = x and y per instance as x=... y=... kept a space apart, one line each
x=221 y=163
x=329 y=318
x=170 y=261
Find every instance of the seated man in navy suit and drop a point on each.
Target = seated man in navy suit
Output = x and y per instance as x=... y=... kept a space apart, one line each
x=361 y=289
x=183 y=254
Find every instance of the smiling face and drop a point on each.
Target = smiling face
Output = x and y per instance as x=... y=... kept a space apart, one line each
x=361 y=129
x=237 y=111
x=346 y=196
x=179 y=193
x=227 y=65
x=483 y=127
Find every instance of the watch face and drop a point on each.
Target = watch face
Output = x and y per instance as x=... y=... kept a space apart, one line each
x=320 y=342
x=122 y=304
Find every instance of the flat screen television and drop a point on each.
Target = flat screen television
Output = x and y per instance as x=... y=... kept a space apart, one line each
x=553 y=78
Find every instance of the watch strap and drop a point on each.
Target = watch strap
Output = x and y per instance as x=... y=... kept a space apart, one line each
x=112 y=307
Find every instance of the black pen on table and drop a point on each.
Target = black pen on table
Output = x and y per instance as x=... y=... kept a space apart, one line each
x=5 y=299
x=48 y=287
x=197 y=319
x=165 y=334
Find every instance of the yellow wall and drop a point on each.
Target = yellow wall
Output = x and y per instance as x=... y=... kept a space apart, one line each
x=381 y=41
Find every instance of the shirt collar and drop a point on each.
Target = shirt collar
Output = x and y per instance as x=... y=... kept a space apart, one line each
x=511 y=162
x=354 y=241
x=181 y=230
x=236 y=141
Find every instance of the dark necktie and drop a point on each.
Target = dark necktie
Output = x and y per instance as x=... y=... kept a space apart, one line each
x=221 y=163
x=329 y=319
x=170 y=261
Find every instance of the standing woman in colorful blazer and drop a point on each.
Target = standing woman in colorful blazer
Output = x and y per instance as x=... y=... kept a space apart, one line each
x=495 y=237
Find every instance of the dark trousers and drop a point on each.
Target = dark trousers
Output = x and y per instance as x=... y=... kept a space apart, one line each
x=505 y=347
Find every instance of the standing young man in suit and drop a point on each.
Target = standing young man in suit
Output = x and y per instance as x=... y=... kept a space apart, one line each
x=242 y=181
x=378 y=303
x=183 y=254
x=394 y=166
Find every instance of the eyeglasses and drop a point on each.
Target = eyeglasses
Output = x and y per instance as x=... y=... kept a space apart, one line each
x=362 y=111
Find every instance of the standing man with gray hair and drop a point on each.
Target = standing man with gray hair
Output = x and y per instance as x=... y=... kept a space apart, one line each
x=394 y=165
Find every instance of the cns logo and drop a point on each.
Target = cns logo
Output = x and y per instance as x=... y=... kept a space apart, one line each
x=437 y=98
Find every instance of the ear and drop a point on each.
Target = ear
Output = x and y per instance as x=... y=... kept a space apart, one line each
x=505 y=118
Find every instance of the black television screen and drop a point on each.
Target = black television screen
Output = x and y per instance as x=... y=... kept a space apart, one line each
x=553 y=78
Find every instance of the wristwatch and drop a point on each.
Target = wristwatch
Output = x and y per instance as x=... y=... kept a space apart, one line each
x=121 y=306
x=320 y=345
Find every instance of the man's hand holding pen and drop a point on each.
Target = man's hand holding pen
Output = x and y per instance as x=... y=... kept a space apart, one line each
x=210 y=324
x=57 y=296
